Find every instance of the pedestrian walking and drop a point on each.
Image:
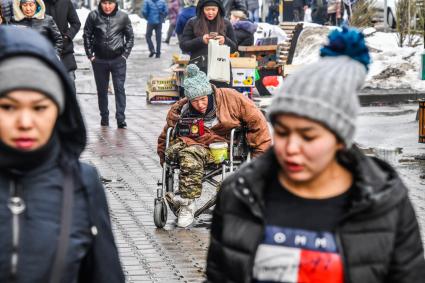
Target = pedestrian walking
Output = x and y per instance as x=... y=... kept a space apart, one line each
x=54 y=213
x=155 y=12
x=319 y=11
x=108 y=40
x=66 y=18
x=314 y=208
x=299 y=7
x=209 y=23
x=334 y=12
x=230 y=5
x=32 y=14
x=217 y=108
x=273 y=13
x=188 y=11
x=253 y=8
x=6 y=11
x=173 y=12
x=244 y=28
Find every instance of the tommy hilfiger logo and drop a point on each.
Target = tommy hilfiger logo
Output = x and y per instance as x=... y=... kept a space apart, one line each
x=298 y=238
x=297 y=256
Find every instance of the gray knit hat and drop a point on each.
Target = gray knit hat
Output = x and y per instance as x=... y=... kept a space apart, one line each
x=196 y=83
x=326 y=91
x=26 y=72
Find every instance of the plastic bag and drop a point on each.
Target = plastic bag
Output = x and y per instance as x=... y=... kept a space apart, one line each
x=218 y=61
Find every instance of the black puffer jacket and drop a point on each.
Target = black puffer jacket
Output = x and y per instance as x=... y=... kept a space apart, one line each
x=244 y=31
x=90 y=257
x=6 y=9
x=42 y=23
x=66 y=18
x=378 y=237
x=108 y=36
x=230 y=5
x=190 y=43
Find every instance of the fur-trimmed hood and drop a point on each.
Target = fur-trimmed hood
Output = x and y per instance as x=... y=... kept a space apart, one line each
x=19 y=15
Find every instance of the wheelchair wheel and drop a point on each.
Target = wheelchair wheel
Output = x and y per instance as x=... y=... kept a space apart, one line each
x=160 y=213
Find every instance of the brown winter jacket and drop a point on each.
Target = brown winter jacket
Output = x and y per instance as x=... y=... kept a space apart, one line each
x=232 y=110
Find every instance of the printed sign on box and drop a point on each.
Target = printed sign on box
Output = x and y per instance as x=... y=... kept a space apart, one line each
x=243 y=77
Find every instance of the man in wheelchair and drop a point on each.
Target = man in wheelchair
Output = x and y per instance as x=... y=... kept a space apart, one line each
x=217 y=111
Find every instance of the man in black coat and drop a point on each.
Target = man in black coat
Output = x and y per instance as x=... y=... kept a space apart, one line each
x=108 y=40
x=66 y=18
x=299 y=6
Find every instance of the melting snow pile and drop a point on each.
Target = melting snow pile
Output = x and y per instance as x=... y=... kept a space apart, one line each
x=392 y=66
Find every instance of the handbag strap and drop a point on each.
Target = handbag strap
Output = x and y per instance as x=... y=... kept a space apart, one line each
x=65 y=228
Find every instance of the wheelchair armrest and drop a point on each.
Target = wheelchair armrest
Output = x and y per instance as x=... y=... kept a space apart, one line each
x=168 y=137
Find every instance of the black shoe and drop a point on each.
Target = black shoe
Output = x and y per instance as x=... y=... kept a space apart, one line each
x=157 y=55
x=166 y=41
x=122 y=125
x=151 y=54
x=104 y=122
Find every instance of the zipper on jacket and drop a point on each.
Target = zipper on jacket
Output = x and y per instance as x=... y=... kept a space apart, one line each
x=108 y=33
x=16 y=206
x=342 y=255
x=245 y=196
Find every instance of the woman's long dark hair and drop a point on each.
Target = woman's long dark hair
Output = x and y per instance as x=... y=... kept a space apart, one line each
x=201 y=25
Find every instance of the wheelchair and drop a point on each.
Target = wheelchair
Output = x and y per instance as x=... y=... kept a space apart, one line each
x=238 y=153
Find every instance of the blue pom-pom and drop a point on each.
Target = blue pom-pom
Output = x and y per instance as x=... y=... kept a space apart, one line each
x=349 y=42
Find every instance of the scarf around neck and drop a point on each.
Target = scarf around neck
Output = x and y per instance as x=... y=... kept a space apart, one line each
x=209 y=115
x=13 y=160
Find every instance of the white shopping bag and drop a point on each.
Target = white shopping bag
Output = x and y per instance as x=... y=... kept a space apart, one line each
x=218 y=62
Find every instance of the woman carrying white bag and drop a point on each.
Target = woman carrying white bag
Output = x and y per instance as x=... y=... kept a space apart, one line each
x=209 y=24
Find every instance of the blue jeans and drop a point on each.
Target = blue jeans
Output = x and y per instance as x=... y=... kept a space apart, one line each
x=254 y=15
x=158 y=30
x=102 y=69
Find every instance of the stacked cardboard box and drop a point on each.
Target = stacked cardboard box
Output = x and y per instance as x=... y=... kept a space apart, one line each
x=162 y=90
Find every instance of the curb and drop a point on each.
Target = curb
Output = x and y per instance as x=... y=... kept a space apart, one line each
x=389 y=97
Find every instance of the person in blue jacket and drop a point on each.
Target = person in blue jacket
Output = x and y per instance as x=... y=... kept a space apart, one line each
x=154 y=11
x=189 y=11
x=55 y=224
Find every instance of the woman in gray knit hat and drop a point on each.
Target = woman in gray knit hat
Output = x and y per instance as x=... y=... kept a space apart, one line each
x=55 y=224
x=313 y=208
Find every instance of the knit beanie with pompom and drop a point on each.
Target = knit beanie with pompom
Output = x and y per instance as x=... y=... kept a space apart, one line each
x=326 y=91
x=196 y=83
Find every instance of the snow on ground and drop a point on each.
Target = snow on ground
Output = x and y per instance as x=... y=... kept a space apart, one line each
x=392 y=66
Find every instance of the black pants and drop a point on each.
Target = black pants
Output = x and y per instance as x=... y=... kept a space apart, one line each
x=158 y=29
x=72 y=78
x=102 y=69
x=298 y=14
x=170 y=32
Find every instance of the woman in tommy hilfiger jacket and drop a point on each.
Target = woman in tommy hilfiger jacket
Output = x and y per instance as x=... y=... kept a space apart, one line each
x=314 y=208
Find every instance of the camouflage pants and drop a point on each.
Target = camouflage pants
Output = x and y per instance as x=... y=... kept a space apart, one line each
x=192 y=160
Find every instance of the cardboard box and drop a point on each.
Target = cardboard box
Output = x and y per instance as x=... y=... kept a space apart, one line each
x=244 y=62
x=162 y=84
x=243 y=77
x=162 y=97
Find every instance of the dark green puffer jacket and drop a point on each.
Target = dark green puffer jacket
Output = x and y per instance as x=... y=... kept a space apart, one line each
x=378 y=236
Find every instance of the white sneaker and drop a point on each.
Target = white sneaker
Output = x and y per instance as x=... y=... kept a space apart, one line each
x=186 y=213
